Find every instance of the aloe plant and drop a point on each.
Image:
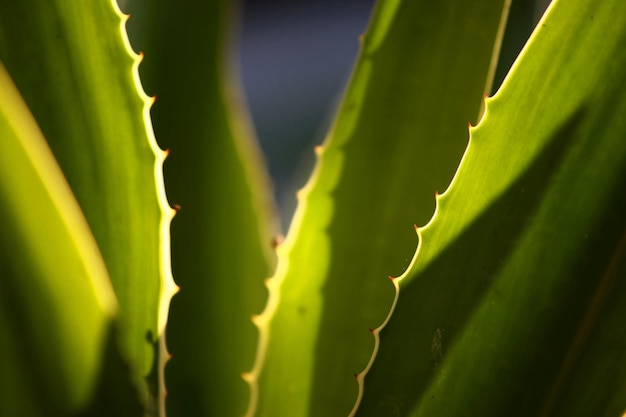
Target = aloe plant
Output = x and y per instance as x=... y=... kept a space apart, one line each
x=508 y=300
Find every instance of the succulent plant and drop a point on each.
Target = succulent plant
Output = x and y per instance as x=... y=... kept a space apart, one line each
x=509 y=299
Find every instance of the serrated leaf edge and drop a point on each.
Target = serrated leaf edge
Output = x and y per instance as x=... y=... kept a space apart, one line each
x=168 y=286
x=438 y=201
x=420 y=230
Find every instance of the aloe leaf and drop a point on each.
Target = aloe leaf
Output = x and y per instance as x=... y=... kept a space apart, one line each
x=398 y=137
x=74 y=68
x=221 y=251
x=56 y=300
x=514 y=303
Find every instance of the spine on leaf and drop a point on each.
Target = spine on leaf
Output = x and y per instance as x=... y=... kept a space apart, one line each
x=167 y=287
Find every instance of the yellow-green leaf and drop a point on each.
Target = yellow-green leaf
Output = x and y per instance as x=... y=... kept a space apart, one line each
x=513 y=303
x=398 y=136
x=56 y=300
x=73 y=66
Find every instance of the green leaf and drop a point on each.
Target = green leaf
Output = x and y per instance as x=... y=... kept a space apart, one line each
x=398 y=137
x=513 y=304
x=71 y=63
x=56 y=300
x=221 y=252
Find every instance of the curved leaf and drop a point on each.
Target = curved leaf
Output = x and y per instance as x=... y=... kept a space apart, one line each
x=56 y=300
x=72 y=64
x=398 y=137
x=221 y=252
x=518 y=282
